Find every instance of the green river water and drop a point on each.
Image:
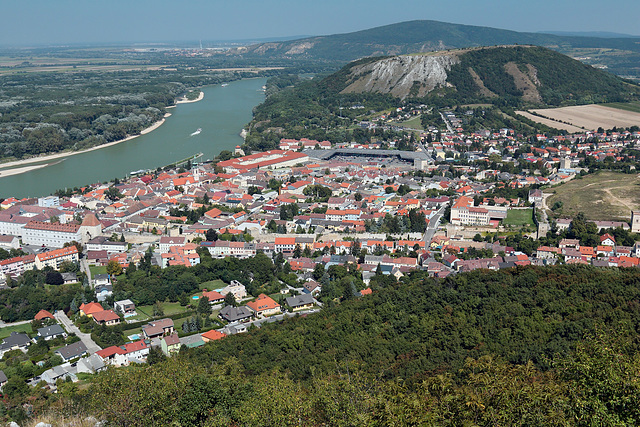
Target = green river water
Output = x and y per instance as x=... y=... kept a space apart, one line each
x=221 y=115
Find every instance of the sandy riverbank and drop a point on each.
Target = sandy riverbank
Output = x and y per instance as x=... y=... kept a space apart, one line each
x=20 y=166
x=17 y=171
x=184 y=100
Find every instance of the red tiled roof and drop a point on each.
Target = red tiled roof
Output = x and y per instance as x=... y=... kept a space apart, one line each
x=212 y=335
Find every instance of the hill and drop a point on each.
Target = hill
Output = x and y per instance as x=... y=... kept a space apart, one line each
x=513 y=75
x=604 y=196
x=422 y=352
x=426 y=36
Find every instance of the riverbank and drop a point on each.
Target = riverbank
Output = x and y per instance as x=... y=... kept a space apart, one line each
x=184 y=100
x=21 y=166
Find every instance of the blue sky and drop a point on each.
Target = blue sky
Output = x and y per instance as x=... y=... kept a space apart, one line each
x=79 y=21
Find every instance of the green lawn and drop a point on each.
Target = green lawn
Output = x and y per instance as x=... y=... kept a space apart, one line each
x=519 y=217
x=97 y=269
x=6 y=331
x=169 y=308
x=413 y=123
x=213 y=284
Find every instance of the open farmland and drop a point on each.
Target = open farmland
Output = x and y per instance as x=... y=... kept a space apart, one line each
x=589 y=117
x=605 y=196
x=551 y=123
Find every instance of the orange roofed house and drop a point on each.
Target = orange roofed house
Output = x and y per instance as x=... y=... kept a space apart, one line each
x=264 y=306
x=91 y=308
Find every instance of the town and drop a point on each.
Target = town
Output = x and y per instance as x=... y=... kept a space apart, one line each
x=316 y=212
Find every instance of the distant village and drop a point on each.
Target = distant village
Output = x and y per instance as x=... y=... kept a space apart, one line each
x=369 y=206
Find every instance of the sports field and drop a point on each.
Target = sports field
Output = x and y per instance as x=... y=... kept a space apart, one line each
x=519 y=217
x=606 y=196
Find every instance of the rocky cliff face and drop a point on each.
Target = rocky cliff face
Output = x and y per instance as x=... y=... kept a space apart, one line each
x=414 y=75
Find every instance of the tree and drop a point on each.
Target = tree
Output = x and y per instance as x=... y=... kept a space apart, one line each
x=114 y=268
x=54 y=278
x=157 y=309
x=156 y=355
x=297 y=252
x=230 y=300
x=318 y=271
x=113 y=193
x=203 y=306
x=69 y=267
x=211 y=235
x=183 y=299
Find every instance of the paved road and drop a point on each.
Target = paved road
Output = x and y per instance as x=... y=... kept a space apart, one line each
x=92 y=347
x=21 y=322
x=433 y=225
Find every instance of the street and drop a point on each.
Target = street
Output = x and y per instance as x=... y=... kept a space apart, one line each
x=433 y=225
x=61 y=317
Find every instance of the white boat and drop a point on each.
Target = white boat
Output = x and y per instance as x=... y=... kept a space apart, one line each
x=196 y=132
x=224 y=85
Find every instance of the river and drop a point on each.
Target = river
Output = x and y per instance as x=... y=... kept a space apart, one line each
x=221 y=115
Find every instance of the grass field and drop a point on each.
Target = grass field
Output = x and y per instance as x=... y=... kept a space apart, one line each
x=97 y=269
x=519 y=217
x=413 y=123
x=606 y=196
x=169 y=308
x=213 y=284
x=6 y=331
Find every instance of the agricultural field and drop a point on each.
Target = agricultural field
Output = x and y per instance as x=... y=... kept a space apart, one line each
x=551 y=123
x=605 y=196
x=589 y=117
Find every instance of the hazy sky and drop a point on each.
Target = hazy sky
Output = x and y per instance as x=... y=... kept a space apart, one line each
x=80 y=21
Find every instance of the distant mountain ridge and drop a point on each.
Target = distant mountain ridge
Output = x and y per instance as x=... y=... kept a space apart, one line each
x=420 y=36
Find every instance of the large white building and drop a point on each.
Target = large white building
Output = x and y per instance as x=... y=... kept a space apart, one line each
x=222 y=248
x=464 y=213
x=272 y=159
x=54 y=235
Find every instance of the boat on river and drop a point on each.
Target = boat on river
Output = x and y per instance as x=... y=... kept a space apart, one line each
x=196 y=132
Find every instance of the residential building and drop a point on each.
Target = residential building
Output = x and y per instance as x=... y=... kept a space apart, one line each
x=125 y=354
x=264 y=306
x=158 y=328
x=300 y=302
x=212 y=335
x=56 y=257
x=106 y=317
x=15 y=341
x=235 y=314
x=236 y=288
x=50 y=332
x=125 y=306
x=90 y=365
x=72 y=351
x=167 y=242
x=170 y=344
x=91 y=308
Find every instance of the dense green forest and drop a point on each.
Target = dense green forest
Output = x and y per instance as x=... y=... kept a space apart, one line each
x=561 y=79
x=50 y=112
x=523 y=346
